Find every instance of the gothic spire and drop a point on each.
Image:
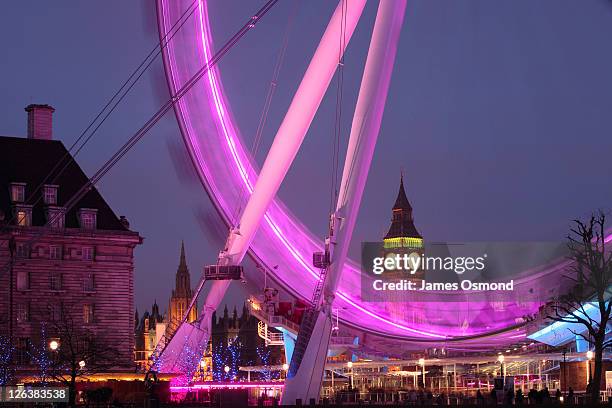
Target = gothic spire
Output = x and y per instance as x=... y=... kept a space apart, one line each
x=402 y=223
x=183 y=280
x=182 y=261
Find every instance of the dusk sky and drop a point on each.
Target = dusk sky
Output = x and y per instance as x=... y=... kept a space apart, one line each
x=498 y=112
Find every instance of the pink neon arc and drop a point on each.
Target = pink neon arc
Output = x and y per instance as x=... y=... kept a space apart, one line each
x=228 y=173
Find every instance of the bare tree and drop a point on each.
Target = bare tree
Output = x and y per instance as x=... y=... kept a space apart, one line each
x=591 y=271
x=80 y=352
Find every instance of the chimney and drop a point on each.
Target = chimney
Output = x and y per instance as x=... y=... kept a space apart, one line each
x=40 y=121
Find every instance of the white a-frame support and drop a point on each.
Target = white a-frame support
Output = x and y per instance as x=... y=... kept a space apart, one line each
x=306 y=383
x=286 y=144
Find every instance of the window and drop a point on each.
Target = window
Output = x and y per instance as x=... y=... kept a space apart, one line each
x=55 y=252
x=87 y=254
x=181 y=309
x=55 y=281
x=22 y=250
x=22 y=351
x=88 y=313
x=23 y=312
x=23 y=280
x=21 y=218
x=55 y=217
x=50 y=195
x=55 y=312
x=18 y=192
x=23 y=215
x=89 y=283
x=87 y=218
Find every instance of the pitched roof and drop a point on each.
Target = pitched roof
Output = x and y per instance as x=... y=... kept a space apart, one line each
x=402 y=223
x=30 y=161
x=401 y=202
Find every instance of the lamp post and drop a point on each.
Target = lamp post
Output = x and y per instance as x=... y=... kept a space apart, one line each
x=589 y=356
x=501 y=359
x=82 y=364
x=422 y=364
x=564 y=371
x=350 y=366
x=53 y=345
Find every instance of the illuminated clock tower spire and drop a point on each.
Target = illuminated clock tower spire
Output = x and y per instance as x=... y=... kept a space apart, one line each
x=402 y=232
x=403 y=237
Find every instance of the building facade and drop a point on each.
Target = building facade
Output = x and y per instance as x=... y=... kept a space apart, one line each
x=149 y=328
x=182 y=293
x=57 y=264
x=147 y=331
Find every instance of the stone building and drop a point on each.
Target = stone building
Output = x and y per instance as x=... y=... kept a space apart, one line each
x=147 y=331
x=151 y=326
x=242 y=329
x=57 y=263
x=182 y=293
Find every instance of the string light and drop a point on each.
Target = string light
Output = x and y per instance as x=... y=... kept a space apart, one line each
x=6 y=354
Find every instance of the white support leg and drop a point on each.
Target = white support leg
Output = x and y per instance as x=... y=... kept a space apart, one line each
x=364 y=130
x=293 y=129
x=306 y=383
x=286 y=144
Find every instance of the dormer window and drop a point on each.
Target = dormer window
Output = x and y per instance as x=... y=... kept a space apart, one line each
x=23 y=215
x=50 y=194
x=88 y=218
x=18 y=192
x=55 y=217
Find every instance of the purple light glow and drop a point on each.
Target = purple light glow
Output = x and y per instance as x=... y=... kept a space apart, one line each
x=227 y=386
x=228 y=172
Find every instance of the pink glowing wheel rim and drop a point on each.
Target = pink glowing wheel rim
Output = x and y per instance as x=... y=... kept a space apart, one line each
x=283 y=244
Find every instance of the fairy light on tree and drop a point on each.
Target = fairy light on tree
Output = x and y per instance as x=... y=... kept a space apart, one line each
x=264 y=354
x=227 y=355
x=6 y=354
x=40 y=355
x=234 y=349
x=188 y=363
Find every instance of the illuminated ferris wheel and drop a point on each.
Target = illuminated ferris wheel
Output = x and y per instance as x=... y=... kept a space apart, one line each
x=271 y=234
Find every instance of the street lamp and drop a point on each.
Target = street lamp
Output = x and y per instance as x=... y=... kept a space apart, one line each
x=82 y=364
x=350 y=366
x=589 y=356
x=53 y=345
x=422 y=364
x=501 y=359
x=226 y=369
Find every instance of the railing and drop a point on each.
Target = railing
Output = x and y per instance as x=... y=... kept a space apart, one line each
x=223 y=272
x=271 y=338
x=282 y=321
x=257 y=310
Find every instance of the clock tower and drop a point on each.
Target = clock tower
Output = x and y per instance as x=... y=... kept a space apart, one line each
x=403 y=237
